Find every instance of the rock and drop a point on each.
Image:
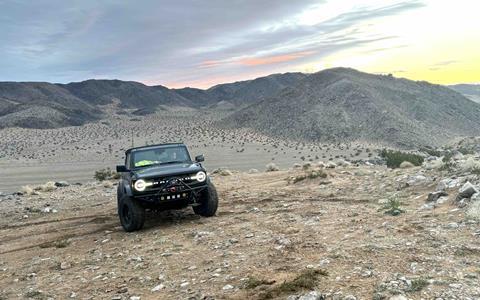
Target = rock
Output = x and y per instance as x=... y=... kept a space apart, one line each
x=297 y=166
x=467 y=191
x=313 y=295
x=433 y=163
x=349 y=297
x=253 y=171
x=447 y=183
x=331 y=165
x=433 y=197
x=398 y=297
x=227 y=287
x=417 y=180
x=406 y=165
x=158 y=288
x=135 y=298
x=62 y=184
x=65 y=265
x=475 y=197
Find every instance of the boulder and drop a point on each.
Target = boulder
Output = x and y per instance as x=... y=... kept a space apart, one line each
x=61 y=183
x=467 y=191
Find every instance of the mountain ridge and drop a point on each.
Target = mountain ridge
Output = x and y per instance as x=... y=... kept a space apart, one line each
x=344 y=104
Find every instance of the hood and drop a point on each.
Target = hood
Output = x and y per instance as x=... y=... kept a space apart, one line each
x=168 y=170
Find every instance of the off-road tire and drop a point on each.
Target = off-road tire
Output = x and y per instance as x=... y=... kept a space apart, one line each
x=208 y=202
x=131 y=214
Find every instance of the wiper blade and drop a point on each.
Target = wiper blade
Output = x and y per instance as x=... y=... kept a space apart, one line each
x=173 y=162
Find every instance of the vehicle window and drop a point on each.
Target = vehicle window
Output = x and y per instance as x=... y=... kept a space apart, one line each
x=164 y=155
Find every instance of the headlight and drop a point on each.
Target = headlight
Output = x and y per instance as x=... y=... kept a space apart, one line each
x=140 y=185
x=200 y=176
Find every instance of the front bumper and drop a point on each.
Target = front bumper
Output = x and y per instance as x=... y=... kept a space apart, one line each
x=172 y=192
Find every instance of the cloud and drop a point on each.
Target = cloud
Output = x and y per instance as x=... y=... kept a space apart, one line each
x=193 y=42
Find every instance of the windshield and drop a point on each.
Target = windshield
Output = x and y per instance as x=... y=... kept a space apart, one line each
x=163 y=155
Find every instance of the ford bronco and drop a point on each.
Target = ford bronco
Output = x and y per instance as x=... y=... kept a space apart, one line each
x=162 y=177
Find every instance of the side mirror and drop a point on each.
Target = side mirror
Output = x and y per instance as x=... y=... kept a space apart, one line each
x=199 y=158
x=121 y=169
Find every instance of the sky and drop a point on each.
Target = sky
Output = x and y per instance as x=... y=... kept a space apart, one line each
x=200 y=43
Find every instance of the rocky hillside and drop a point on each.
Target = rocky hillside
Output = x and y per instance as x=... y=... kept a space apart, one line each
x=42 y=105
x=471 y=91
x=346 y=105
x=46 y=105
x=251 y=91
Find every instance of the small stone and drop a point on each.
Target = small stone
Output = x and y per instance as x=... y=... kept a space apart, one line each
x=433 y=197
x=134 y=297
x=65 y=265
x=62 y=184
x=227 y=287
x=158 y=288
x=398 y=297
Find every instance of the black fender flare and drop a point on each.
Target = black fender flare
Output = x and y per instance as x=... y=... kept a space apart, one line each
x=124 y=189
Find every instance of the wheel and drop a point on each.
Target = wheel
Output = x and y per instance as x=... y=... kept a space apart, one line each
x=131 y=214
x=208 y=202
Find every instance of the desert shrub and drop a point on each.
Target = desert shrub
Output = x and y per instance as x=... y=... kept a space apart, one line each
x=47 y=187
x=393 y=206
x=222 y=172
x=306 y=280
x=476 y=170
x=418 y=285
x=253 y=282
x=395 y=158
x=465 y=151
x=431 y=152
x=271 y=167
x=27 y=190
x=105 y=174
x=473 y=211
x=310 y=175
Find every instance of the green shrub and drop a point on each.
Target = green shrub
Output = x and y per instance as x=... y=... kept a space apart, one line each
x=395 y=158
x=392 y=207
x=465 y=151
x=431 y=152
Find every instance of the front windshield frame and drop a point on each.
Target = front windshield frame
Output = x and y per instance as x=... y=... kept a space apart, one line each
x=133 y=153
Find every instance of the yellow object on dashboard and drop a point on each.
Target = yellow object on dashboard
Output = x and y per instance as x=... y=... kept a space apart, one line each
x=145 y=163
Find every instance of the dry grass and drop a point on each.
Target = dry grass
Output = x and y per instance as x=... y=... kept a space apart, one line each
x=306 y=280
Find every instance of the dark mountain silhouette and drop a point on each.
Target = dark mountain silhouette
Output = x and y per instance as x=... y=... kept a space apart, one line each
x=347 y=105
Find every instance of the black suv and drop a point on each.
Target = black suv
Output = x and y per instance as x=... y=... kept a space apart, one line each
x=162 y=177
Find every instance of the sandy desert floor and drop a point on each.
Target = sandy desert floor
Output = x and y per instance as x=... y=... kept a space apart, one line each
x=271 y=238
x=33 y=156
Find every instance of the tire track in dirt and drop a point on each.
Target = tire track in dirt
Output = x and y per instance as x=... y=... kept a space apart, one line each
x=42 y=233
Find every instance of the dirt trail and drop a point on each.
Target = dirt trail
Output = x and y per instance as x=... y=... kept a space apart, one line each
x=266 y=235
